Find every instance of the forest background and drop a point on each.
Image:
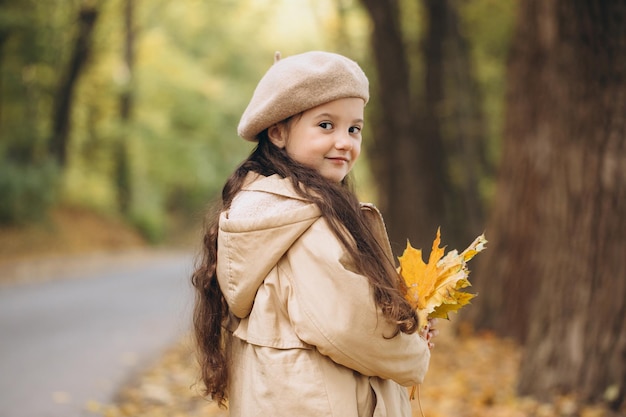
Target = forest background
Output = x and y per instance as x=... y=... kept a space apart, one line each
x=486 y=115
x=130 y=108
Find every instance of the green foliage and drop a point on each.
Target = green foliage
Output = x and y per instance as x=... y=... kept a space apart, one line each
x=195 y=67
x=31 y=47
x=27 y=191
x=194 y=71
x=148 y=214
x=489 y=26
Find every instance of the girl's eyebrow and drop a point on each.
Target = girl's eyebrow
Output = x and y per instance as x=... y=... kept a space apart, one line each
x=321 y=115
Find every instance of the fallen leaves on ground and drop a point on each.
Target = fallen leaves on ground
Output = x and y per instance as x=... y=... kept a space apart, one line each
x=471 y=375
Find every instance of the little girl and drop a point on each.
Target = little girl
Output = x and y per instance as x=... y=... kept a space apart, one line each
x=300 y=310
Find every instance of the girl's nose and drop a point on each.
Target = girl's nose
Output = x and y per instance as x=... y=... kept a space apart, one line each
x=343 y=141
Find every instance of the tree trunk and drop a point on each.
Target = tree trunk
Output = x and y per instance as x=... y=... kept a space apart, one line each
x=126 y=99
x=431 y=150
x=457 y=106
x=5 y=32
x=556 y=268
x=122 y=166
x=407 y=165
x=58 y=143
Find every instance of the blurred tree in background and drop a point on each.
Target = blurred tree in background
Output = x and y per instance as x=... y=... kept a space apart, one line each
x=433 y=147
x=31 y=53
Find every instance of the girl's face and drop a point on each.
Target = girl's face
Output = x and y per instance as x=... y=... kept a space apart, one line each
x=326 y=138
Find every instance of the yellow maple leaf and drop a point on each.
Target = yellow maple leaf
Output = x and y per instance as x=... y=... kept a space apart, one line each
x=434 y=288
x=457 y=300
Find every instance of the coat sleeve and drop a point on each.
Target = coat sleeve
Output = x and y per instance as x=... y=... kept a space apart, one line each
x=333 y=309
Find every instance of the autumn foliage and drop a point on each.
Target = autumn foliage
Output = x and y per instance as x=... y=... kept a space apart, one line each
x=434 y=288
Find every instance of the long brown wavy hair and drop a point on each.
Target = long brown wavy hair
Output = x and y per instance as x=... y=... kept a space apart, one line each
x=340 y=207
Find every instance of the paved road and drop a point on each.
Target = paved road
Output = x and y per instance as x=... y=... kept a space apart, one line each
x=68 y=341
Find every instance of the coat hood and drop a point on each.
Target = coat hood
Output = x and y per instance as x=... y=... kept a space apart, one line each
x=249 y=247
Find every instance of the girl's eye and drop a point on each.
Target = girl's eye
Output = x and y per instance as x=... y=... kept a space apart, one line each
x=326 y=125
x=355 y=129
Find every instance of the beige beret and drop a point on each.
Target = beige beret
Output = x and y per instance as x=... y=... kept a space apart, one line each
x=298 y=83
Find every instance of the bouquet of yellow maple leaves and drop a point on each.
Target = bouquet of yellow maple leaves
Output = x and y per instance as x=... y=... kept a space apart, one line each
x=434 y=289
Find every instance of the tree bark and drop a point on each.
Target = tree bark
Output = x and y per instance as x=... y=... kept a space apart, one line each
x=407 y=165
x=58 y=143
x=122 y=165
x=556 y=267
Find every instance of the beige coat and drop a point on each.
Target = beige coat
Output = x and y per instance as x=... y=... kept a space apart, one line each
x=308 y=339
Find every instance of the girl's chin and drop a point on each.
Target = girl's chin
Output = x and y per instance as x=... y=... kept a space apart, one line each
x=335 y=177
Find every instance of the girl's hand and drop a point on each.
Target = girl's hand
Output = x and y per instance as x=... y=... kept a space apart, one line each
x=429 y=332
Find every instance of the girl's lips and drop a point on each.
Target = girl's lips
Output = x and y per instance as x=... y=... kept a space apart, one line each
x=338 y=159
